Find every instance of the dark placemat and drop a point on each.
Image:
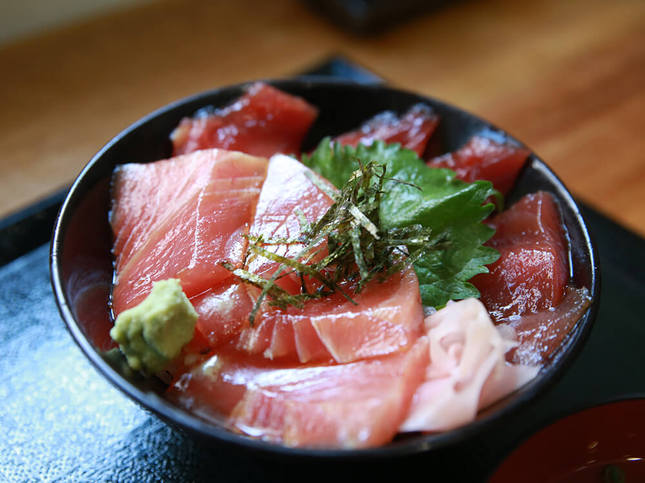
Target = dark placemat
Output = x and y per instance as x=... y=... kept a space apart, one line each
x=62 y=421
x=364 y=17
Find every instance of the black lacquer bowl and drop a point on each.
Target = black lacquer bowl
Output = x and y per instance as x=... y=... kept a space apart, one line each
x=81 y=262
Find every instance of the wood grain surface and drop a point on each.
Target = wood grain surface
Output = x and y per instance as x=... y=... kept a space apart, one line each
x=567 y=78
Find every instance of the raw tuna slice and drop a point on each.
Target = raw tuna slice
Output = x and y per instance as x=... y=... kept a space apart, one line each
x=483 y=158
x=532 y=270
x=272 y=335
x=223 y=311
x=355 y=405
x=412 y=130
x=142 y=193
x=467 y=369
x=194 y=223
x=287 y=195
x=541 y=334
x=262 y=122
x=192 y=354
x=387 y=318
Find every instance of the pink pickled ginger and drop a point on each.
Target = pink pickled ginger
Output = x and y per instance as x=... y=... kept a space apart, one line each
x=467 y=369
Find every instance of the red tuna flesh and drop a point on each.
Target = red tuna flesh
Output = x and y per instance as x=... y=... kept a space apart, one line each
x=483 y=158
x=263 y=122
x=540 y=335
x=532 y=271
x=412 y=130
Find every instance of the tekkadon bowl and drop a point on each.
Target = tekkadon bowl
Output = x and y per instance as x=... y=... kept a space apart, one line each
x=81 y=260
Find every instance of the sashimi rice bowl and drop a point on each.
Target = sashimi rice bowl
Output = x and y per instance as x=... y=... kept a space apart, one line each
x=323 y=267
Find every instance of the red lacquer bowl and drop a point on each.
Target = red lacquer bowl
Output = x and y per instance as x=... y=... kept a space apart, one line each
x=593 y=445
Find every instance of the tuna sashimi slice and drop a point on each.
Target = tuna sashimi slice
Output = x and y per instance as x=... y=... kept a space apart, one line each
x=263 y=122
x=412 y=130
x=483 y=158
x=541 y=334
x=467 y=369
x=189 y=236
x=532 y=271
x=272 y=335
x=287 y=195
x=144 y=194
x=387 y=317
x=360 y=404
x=223 y=311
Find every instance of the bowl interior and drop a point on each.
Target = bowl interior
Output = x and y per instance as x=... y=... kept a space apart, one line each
x=81 y=261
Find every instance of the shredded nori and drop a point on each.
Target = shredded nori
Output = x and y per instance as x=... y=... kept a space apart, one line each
x=359 y=249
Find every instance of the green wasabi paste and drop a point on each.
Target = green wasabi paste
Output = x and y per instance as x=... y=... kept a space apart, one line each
x=153 y=333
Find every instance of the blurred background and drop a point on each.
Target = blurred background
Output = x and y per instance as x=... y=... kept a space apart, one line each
x=567 y=78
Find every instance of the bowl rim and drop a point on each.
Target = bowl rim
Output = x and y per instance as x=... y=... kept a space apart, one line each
x=176 y=416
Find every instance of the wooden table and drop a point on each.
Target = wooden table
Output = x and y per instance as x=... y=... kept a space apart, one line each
x=568 y=78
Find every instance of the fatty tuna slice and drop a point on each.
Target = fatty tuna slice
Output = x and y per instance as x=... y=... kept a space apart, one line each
x=143 y=195
x=264 y=121
x=223 y=311
x=483 y=158
x=387 y=317
x=189 y=230
x=287 y=196
x=356 y=405
x=532 y=271
x=412 y=130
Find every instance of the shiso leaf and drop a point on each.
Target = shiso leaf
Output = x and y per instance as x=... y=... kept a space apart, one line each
x=417 y=195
